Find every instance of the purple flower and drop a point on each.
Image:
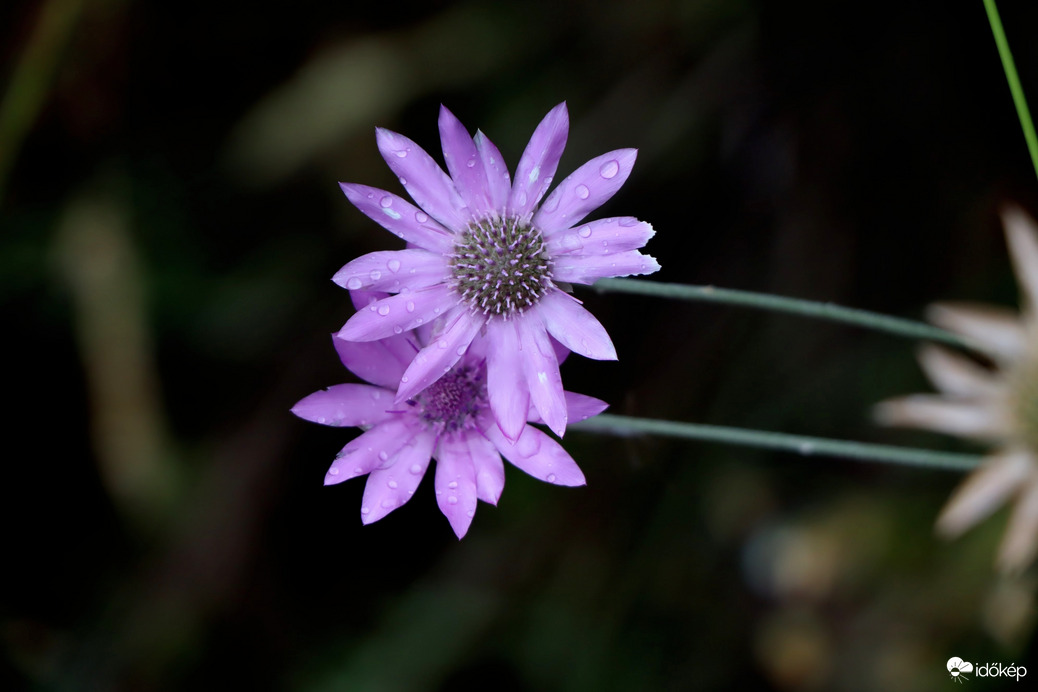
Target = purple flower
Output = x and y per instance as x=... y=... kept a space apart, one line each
x=488 y=258
x=450 y=421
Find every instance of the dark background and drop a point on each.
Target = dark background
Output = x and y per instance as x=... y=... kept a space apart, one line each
x=169 y=223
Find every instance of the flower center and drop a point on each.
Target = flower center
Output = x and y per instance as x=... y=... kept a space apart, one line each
x=453 y=401
x=500 y=266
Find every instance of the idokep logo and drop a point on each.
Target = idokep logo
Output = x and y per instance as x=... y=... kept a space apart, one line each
x=958 y=669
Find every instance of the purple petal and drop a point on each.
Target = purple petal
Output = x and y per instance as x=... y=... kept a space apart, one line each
x=346 y=405
x=455 y=483
x=390 y=487
x=541 y=369
x=539 y=162
x=499 y=182
x=586 y=269
x=399 y=313
x=584 y=190
x=579 y=406
x=464 y=163
x=490 y=470
x=370 y=450
x=392 y=271
x=601 y=237
x=399 y=217
x=574 y=327
x=540 y=456
x=362 y=299
x=506 y=382
x=441 y=354
x=379 y=362
x=423 y=179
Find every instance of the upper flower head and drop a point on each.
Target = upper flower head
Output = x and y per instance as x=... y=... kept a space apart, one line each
x=996 y=405
x=486 y=256
x=449 y=421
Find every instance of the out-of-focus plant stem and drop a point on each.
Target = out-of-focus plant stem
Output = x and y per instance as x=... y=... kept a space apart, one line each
x=32 y=77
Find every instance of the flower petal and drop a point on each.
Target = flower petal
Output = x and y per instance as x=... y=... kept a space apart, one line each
x=957 y=375
x=539 y=162
x=584 y=190
x=441 y=354
x=540 y=456
x=455 y=482
x=490 y=470
x=601 y=237
x=541 y=369
x=346 y=405
x=379 y=362
x=424 y=180
x=391 y=487
x=399 y=217
x=967 y=418
x=399 y=313
x=579 y=406
x=506 y=382
x=464 y=163
x=984 y=491
x=574 y=327
x=392 y=271
x=586 y=269
x=1022 y=236
x=499 y=182
x=370 y=450
x=995 y=331
x=1020 y=543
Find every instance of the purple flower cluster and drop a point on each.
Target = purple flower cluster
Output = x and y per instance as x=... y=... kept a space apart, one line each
x=461 y=333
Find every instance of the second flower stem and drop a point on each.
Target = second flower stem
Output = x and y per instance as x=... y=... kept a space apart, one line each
x=794 y=306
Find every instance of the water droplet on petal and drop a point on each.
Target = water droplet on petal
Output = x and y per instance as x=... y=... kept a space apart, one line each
x=383 y=455
x=551 y=478
x=358 y=470
x=452 y=485
x=410 y=306
x=333 y=471
x=582 y=191
x=354 y=283
x=392 y=485
x=364 y=510
x=404 y=379
x=570 y=242
x=421 y=217
x=522 y=199
x=585 y=232
x=398 y=329
x=393 y=265
x=471 y=513
x=383 y=310
x=609 y=169
x=376 y=275
x=320 y=420
x=470 y=163
x=401 y=153
x=416 y=469
x=452 y=500
x=388 y=503
x=442 y=343
x=386 y=202
x=403 y=181
x=461 y=350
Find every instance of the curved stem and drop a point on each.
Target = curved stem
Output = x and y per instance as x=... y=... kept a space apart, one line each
x=794 y=306
x=1009 y=67
x=624 y=426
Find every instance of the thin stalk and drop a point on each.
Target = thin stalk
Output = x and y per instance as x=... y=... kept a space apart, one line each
x=794 y=306
x=626 y=426
x=1009 y=67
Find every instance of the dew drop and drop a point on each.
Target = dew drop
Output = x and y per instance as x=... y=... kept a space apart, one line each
x=405 y=378
x=461 y=350
x=551 y=478
x=452 y=485
x=403 y=181
x=376 y=275
x=364 y=510
x=388 y=504
x=416 y=469
x=333 y=471
x=354 y=283
x=401 y=153
x=320 y=420
x=421 y=217
x=358 y=470
x=442 y=343
x=398 y=329
x=570 y=242
x=410 y=306
x=470 y=163
x=383 y=455
x=522 y=199
x=582 y=191
x=383 y=310
x=393 y=265
x=609 y=169
x=585 y=232
x=392 y=485
x=452 y=500
x=386 y=202
x=471 y=513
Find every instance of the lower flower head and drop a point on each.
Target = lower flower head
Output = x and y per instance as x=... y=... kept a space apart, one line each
x=449 y=421
x=487 y=257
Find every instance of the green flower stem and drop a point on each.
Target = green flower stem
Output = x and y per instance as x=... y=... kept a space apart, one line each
x=795 y=306
x=1014 y=81
x=626 y=426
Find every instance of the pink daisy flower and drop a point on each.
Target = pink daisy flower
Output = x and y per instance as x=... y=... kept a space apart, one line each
x=486 y=256
x=449 y=421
